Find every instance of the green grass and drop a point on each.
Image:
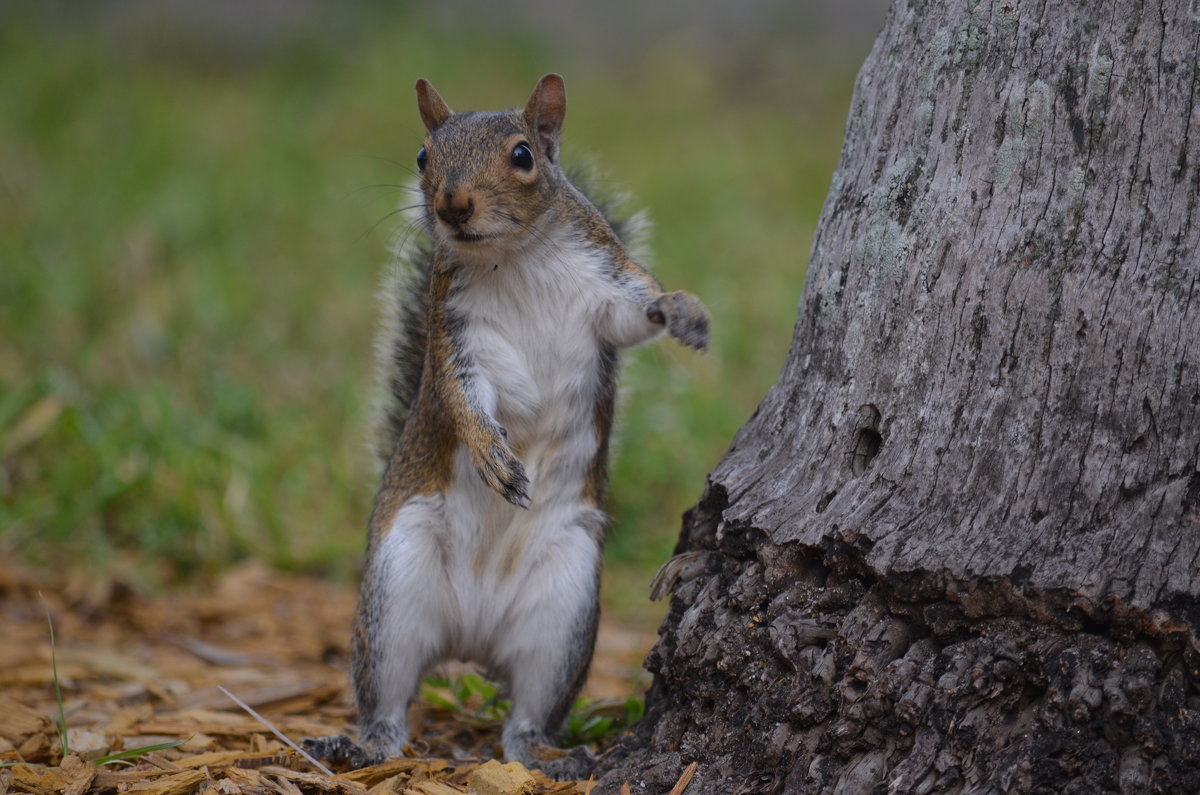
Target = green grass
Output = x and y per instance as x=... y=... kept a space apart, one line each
x=190 y=244
x=475 y=699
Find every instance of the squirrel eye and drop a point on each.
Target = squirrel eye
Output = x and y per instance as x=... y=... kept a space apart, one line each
x=422 y=159
x=522 y=156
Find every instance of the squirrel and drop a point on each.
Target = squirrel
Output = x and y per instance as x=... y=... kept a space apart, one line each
x=486 y=535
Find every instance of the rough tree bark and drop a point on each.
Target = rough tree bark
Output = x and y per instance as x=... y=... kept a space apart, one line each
x=956 y=548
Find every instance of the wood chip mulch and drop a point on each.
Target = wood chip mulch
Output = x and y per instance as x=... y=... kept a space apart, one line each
x=137 y=670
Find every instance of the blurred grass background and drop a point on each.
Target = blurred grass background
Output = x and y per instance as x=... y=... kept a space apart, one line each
x=191 y=234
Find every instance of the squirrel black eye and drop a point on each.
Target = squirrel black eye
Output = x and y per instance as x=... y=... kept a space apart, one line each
x=422 y=159
x=522 y=156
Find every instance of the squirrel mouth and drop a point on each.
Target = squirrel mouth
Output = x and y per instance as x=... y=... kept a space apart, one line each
x=468 y=237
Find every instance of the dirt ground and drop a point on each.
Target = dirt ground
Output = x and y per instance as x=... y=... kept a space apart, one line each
x=139 y=671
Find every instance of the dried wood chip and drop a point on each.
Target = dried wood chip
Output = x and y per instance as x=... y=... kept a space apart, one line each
x=87 y=744
x=212 y=697
x=316 y=781
x=212 y=653
x=254 y=617
x=227 y=717
x=551 y=787
x=161 y=762
x=96 y=662
x=36 y=674
x=179 y=783
x=245 y=779
x=38 y=779
x=126 y=718
x=433 y=788
x=222 y=758
x=130 y=741
x=429 y=768
x=182 y=729
x=80 y=775
x=388 y=786
x=18 y=722
x=284 y=787
x=493 y=778
x=198 y=744
x=286 y=758
x=218 y=759
x=370 y=776
x=39 y=747
x=121 y=780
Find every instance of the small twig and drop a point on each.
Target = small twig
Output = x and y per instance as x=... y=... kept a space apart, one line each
x=276 y=732
x=684 y=780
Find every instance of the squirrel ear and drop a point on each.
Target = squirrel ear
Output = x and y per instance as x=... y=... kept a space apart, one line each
x=545 y=113
x=434 y=110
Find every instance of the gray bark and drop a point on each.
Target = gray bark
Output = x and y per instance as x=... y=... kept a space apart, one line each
x=956 y=547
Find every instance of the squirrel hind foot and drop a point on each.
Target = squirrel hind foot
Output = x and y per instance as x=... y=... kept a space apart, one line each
x=575 y=764
x=531 y=748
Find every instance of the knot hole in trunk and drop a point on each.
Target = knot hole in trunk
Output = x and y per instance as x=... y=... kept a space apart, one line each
x=867 y=440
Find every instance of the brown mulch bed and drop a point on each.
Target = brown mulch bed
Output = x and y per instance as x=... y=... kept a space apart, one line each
x=138 y=670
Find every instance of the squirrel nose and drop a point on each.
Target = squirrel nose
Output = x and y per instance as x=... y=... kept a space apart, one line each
x=455 y=208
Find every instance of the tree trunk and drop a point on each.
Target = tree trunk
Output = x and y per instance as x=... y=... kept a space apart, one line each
x=956 y=547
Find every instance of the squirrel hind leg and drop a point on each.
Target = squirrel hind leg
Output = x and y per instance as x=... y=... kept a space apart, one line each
x=399 y=628
x=547 y=670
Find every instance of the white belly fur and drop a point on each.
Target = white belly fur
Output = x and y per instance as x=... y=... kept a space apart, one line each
x=469 y=574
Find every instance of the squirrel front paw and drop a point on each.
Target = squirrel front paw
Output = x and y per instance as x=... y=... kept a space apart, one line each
x=340 y=751
x=684 y=315
x=503 y=472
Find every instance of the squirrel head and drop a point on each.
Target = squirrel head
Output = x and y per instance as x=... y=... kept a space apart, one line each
x=488 y=177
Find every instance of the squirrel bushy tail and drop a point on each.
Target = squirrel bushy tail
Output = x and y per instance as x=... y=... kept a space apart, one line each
x=400 y=345
x=403 y=337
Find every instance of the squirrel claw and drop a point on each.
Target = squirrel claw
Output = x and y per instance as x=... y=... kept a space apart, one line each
x=517 y=492
x=503 y=473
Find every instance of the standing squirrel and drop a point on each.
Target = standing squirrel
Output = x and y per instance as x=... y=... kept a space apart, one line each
x=485 y=540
